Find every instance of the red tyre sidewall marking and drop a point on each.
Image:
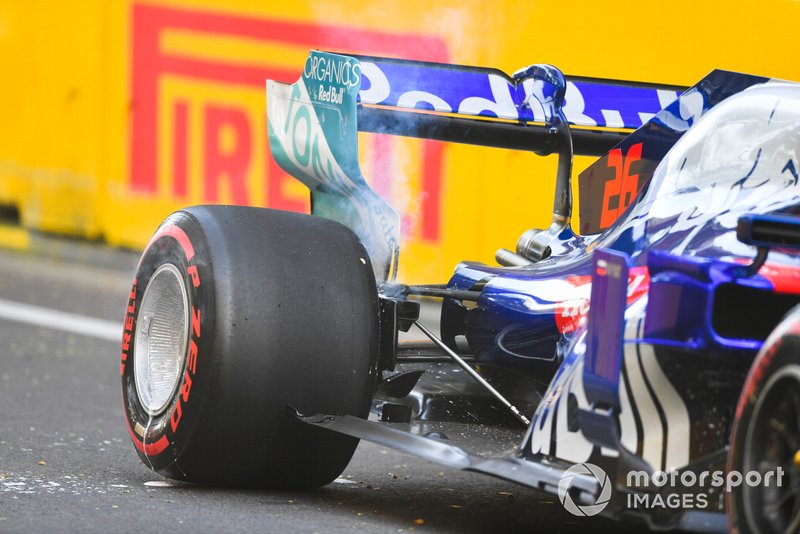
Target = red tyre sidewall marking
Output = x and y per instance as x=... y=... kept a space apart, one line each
x=184 y=390
x=177 y=233
x=756 y=375
x=128 y=328
x=755 y=378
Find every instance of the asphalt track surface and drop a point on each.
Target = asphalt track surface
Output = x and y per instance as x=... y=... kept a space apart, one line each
x=67 y=464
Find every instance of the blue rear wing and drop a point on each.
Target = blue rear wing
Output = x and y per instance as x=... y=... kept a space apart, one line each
x=490 y=93
x=488 y=107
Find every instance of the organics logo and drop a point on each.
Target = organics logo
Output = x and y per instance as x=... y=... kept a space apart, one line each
x=331 y=70
x=584 y=469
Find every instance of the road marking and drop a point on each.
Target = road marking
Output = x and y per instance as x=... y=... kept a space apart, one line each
x=58 y=320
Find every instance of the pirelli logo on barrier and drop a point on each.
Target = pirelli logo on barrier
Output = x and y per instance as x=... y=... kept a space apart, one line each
x=199 y=126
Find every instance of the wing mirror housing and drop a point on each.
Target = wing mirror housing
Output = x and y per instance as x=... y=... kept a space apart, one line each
x=766 y=232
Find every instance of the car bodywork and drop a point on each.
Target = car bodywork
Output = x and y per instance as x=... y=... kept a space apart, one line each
x=648 y=378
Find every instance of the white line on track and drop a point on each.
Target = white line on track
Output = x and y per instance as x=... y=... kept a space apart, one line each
x=58 y=320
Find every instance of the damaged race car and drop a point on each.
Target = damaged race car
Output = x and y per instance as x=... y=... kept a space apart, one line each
x=658 y=347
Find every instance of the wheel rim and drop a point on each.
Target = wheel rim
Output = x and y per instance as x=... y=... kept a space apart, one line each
x=161 y=338
x=772 y=441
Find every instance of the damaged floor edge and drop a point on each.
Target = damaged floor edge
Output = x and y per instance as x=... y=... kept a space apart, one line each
x=58 y=320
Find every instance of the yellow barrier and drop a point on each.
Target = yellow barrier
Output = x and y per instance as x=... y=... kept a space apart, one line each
x=117 y=113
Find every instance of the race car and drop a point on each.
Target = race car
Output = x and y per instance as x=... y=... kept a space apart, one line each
x=647 y=367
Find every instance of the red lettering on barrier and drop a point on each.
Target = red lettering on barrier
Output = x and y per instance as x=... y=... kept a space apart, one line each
x=431 y=191
x=382 y=166
x=180 y=142
x=230 y=161
x=276 y=198
x=150 y=64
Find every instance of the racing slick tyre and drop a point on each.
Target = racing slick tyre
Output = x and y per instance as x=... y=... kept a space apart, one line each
x=766 y=437
x=237 y=314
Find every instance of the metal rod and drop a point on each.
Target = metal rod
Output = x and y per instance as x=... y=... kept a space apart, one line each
x=473 y=373
x=510 y=259
x=443 y=292
x=562 y=204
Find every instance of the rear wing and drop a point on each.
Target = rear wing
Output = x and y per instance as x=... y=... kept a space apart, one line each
x=487 y=107
x=313 y=126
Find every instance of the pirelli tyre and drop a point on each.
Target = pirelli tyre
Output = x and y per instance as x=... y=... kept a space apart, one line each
x=765 y=445
x=235 y=314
